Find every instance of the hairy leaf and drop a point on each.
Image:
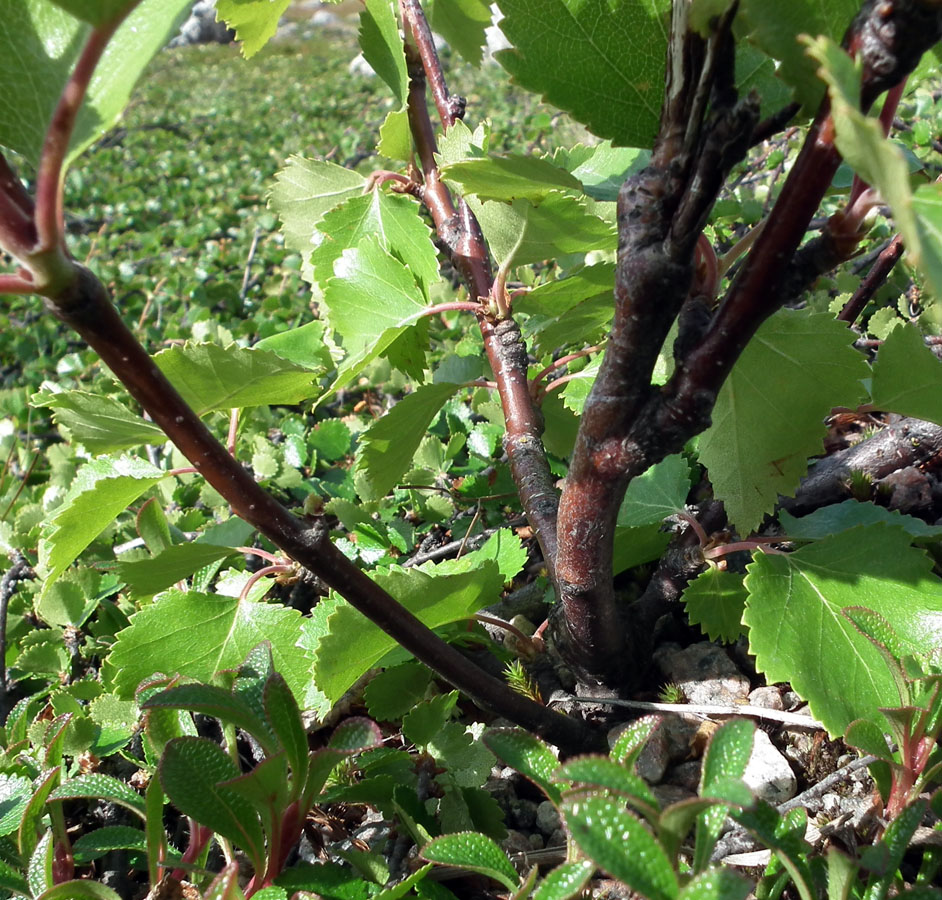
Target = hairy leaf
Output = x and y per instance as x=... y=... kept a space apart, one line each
x=100 y=787
x=715 y=600
x=102 y=489
x=799 y=633
x=476 y=852
x=565 y=881
x=199 y=635
x=769 y=416
x=212 y=377
x=530 y=756
x=600 y=61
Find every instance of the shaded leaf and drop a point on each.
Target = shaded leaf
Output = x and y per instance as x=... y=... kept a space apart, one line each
x=530 y=756
x=830 y=520
x=658 y=493
x=715 y=600
x=463 y=24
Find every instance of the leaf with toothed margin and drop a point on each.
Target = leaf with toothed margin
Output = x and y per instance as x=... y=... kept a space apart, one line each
x=254 y=21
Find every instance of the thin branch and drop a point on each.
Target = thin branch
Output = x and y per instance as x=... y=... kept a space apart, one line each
x=17 y=231
x=875 y=279
x=461 y=235
x=50 y=227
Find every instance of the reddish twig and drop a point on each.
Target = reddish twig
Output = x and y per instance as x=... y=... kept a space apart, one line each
x=875 y=279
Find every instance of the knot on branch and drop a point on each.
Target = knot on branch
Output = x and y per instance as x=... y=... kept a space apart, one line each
x=890 y=36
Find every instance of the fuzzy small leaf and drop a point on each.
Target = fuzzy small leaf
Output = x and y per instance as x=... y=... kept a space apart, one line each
x=101 y=424
x=600 y=771
x=629 y=744
x=475 y=852
x=799 y=633
x=769 y=416
x=356 y=733
x=79 y=889
x=198 y=635
x=530 y=756
x=715 y=600
x=254 y=21
x=191 y=771
x=15 y=791
x=716 y=884
x=602 y=828
x=386 y=448
x=94 y=844
x=565 y=881
x=100 y=787
x=101 y=490
x=212 y=377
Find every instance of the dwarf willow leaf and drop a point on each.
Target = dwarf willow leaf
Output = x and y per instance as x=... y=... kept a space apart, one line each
x=102 y=489
x=102 y=787
x=38 y=37
x=799 y=633
x=212 y=377
x=600 y=61
x=530 y=756
x=198 y=635
x=254 y=21
x=769 y=416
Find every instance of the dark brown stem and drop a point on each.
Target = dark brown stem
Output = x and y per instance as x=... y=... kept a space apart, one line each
x=461 y=234
x=876 y=278
x=661 y=214
x=86 y=308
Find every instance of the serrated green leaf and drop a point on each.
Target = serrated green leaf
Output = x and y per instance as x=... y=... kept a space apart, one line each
x=305 y=191
x=101 y=424
x=519 y=232
x=353 y=644
x=838 y=517
x=284 y=717
x=15 y=791
x=475 y=852
x=660 y=492
x=198 y=635
x=304 y=345
x=101 y=787
x=395 y=136
x=769 y=416
x=386 y=448
x=39 y=869
x=558 y=297
x=393 y=219
x=774 y=27
x=798 y=631
x=369 y=302
x=149 y=576
x=602 y=169
x=868 y=737
x=602 y=828
x=880 y=163
x=715 y=600
x=356 y=733
x=429 y=717
x=565 y=881
x=503 y=547
x=392 y=693
x=530 y=756
x=43 y=42
x=907 y=376
x=463 y=24
x=614 y=52
x=511 y=177
x=254 y=21
x=469 y=762
x=600 y=771
x=102 y=489
x=382 y=46
x=629 y=744
x=212 y=377
x=191 y=771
